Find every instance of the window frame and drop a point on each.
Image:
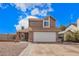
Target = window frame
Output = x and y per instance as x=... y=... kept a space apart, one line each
x=48 y=26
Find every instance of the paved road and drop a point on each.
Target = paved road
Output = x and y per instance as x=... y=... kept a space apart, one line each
x=35 y=49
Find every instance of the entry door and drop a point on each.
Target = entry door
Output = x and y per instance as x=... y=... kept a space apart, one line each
x=24 y=36
x=44 y=36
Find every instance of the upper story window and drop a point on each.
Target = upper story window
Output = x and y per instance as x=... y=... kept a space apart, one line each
x=46 y=24
x=32 y=23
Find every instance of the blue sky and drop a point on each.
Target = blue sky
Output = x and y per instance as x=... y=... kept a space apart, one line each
x=11 y=14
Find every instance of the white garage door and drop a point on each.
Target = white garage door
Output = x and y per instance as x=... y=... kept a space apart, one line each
x=44 y=37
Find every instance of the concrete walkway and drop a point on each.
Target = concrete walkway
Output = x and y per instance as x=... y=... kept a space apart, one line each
x=26 y=51
x=35 y=49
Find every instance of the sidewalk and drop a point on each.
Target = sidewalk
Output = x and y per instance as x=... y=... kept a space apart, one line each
x=26 y=51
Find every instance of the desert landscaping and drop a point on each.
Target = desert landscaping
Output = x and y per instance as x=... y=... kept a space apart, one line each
x=11 y=48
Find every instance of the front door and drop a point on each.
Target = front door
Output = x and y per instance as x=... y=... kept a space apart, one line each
x=24 y=36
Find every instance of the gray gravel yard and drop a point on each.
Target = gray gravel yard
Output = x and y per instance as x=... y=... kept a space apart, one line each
x=12 y=48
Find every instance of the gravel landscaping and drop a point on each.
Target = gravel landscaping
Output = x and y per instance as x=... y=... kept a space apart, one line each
x=12 y=48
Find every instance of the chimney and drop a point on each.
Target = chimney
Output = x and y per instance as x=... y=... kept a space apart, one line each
x=78 y=23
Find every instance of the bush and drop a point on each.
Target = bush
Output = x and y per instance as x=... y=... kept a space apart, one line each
x=74 y=37
x=76 y=34
x=69 y=37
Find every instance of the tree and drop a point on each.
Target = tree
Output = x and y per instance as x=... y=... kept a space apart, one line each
x=62 y=27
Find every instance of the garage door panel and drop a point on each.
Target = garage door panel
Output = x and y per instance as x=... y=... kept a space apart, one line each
x=44 y=37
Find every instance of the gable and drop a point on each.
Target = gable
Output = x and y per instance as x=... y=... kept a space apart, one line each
x=53 y=19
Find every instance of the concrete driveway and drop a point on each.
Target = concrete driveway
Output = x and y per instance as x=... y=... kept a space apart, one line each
x=53 y=49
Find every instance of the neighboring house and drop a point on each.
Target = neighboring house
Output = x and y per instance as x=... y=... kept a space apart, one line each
x=72 y=29
x=40 y=30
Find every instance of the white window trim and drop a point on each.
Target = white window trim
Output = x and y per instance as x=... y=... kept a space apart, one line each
x=48 y=24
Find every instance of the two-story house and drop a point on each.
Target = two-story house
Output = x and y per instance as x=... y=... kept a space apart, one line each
x=40 y=30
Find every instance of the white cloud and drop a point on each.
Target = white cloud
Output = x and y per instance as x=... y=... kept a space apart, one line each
x=18 y=27
x=24 y=22
x=35 y=8
x=43 y=12
x=22 y=6
x=30 y=6
x=35 y=11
